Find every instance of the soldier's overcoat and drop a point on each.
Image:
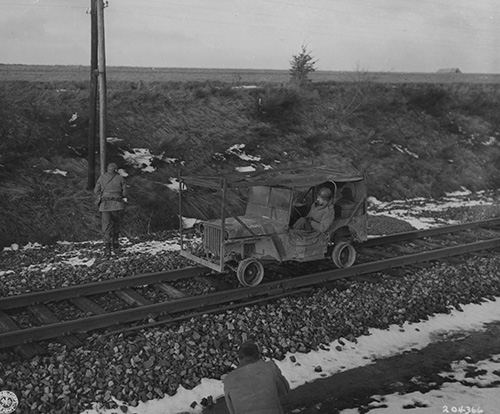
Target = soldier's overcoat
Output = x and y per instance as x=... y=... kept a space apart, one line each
x=110 y=190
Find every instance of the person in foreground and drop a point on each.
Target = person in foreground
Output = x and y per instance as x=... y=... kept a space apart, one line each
x=256 y=386
x=111 y=194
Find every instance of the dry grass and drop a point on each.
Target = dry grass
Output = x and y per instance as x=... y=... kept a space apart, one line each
x=412 y=140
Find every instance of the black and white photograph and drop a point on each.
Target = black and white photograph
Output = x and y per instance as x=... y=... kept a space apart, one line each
x=249 y=207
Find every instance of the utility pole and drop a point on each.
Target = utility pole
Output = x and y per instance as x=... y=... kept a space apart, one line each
x=101 y=65
x=92 y=96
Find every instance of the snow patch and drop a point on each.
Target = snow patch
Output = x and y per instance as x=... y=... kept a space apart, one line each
x=175 y=185
x=180 y=403
x=189 y=222
x=34 y=245
x=379 y=343
x=14 y=246
x=420 y=211
x=122 y=172
x=491 y=141
x=237 y=150
x=71 y=243
x=247 y=168
x=245 y=87
x=73 y=118
x=57 y=171
x=479 y=393
x=78 y=261
x=42 y=267
x=142 y=159
x=462 y=192
x=374 y=201
x=154 y=247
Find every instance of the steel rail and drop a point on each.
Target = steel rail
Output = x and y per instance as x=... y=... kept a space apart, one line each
x=12 y=338
x=218 y=309
x=436 y=231
x=27 y=299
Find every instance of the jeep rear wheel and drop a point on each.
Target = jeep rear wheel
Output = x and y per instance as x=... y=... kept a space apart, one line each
x=343 y=254
x=250 y=272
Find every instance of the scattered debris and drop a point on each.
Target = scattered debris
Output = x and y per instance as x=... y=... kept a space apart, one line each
x=404 y=150
x=218 y=157
x=114 y=140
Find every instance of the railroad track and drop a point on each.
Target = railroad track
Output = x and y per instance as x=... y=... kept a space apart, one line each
x=151 y=299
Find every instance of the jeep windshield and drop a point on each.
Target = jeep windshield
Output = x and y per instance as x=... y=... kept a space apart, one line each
x=269 y=202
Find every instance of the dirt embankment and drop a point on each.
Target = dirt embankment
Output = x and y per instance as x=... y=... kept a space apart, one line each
x=410 y=139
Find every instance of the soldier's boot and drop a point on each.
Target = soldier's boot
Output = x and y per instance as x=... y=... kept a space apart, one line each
x=116 y=243
x=107 y=250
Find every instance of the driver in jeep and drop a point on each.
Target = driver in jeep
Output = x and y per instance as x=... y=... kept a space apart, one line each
x=321 y=214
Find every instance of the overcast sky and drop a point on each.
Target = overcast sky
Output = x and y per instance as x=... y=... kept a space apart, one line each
x=375 y=35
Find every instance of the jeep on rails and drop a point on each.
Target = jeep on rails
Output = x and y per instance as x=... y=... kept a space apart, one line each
x=275 y=200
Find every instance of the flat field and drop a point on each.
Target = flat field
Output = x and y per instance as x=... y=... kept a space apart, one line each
x=41 y=73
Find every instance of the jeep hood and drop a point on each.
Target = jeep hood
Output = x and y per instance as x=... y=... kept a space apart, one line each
x=259 y=226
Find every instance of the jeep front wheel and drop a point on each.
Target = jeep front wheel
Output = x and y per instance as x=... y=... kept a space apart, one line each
x=250 y=272
x=343 y=254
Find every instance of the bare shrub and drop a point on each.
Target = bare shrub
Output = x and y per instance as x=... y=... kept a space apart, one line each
x=432 y=100
x=280 y=106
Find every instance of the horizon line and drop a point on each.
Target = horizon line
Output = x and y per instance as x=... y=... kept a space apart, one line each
x=246 y=69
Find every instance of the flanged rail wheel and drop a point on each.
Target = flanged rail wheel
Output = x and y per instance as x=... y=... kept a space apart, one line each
x=250 y=272
x=343 y=254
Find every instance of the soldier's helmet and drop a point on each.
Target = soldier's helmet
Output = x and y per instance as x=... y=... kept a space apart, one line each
x=325 y=193
x=112 y=167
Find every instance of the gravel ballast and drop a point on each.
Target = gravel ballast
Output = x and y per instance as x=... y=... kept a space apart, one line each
x=153 y=363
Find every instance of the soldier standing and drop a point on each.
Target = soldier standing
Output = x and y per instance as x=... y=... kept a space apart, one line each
x=111 y=194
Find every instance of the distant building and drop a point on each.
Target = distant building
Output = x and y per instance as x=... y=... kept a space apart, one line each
x=449 y=70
